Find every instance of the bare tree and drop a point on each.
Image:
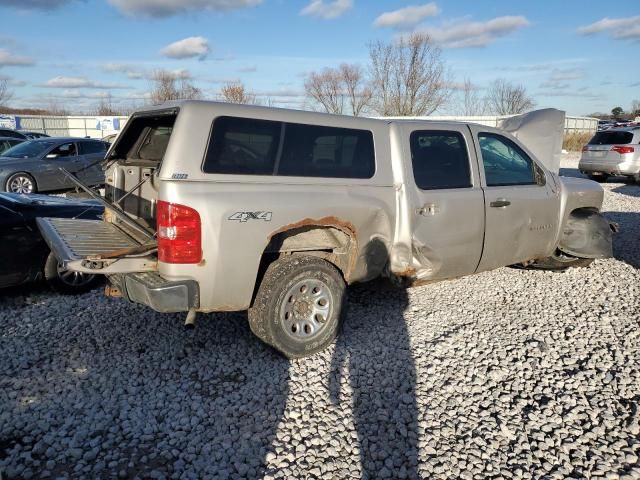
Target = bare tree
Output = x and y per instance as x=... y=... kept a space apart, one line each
x=105 y=107
x=325 y=88
x=6 y=95
x=356 y=88
x=470 y=101
x=409 y=77
x=235 y=92
x=506 y=98
x=340 y=90
x=635 y=108
x=167 y=86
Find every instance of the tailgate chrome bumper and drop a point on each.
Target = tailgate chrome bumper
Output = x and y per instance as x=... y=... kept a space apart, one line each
x=85 y=245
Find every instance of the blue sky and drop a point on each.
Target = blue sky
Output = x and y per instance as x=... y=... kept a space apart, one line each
x=575 y=55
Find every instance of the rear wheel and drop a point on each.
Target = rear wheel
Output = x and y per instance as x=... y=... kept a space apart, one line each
x=21 y=183
x=600 y=177
x=67 y=281
x=298 y=305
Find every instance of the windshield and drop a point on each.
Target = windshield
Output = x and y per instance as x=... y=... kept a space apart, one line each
x=28 y=149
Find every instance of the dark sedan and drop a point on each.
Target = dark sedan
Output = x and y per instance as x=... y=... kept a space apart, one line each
x=34 y=166
x=24 y=255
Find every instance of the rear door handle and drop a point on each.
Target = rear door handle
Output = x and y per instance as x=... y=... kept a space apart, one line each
x=500 y=202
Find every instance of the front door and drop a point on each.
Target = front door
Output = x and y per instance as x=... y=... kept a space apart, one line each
x=63 y=156
x=522 y=206
x=447 y=200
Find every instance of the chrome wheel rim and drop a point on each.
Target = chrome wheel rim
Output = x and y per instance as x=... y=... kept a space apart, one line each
x=21 y=184
x=306 y=310
x=74 y=279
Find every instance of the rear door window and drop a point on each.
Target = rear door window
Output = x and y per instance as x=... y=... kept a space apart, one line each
x=88 y=148
x=612 y=138
x=243 y=146
x=440 y=160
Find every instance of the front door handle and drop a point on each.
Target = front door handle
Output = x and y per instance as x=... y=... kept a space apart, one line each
x=500 y=202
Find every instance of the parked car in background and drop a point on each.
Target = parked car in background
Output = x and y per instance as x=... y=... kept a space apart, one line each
x=25 y=255
x=110 y=138
x=34 y=135
x=612 y=152
x=234 y=207
x=8 y=142
x=7 y=132
x=34 y=166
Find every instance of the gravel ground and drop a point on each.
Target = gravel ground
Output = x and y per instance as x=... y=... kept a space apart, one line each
x=507 y=374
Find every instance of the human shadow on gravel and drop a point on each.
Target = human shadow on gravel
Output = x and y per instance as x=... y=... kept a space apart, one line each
x=114 y=389
x=625 y=241
x=384 y=404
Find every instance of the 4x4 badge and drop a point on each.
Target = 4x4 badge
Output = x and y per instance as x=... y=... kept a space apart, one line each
x=246 y=216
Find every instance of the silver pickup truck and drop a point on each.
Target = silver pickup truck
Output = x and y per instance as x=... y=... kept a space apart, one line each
x=216 y=207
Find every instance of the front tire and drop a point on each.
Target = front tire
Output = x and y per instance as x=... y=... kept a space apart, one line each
x=66 y=281
x=20 y=183
x=298 y=307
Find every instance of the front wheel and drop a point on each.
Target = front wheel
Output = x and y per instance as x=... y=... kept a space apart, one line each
x=20 y=183
x=67 y=281
x=298 y=305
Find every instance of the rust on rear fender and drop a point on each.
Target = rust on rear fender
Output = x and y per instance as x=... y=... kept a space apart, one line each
x=343 y=225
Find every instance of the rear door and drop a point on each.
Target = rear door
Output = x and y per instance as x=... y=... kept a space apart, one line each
x=521 y=205
x=447 y=201
x=63 y=156
x=92 y=152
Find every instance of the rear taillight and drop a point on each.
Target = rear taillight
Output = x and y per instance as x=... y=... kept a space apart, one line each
x=622 y=150
x=585 y=148
x=179 y=233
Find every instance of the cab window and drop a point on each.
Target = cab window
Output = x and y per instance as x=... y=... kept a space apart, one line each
x=505 y=163
x=440 y=160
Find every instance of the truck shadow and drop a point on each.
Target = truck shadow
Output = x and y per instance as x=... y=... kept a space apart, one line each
x=625 y=242
x=383 y=399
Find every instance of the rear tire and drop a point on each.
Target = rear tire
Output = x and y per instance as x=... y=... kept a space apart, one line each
x=298 y=306
x=65 y=281
x=599 y=178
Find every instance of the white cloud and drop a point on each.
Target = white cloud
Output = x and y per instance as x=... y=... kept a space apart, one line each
x=619 y=28
x=187 y=48
x=248 y=69
x=131 y=71
x=78 y=82
x=179 y=74
x=167 y=8
x=327 y=10
x=475 y=34
x=407 y=17
x=7 y=59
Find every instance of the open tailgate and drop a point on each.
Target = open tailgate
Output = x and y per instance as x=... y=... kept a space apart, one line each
x=96 y=246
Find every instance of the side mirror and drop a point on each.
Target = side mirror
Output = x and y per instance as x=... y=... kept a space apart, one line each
x=52 y=155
